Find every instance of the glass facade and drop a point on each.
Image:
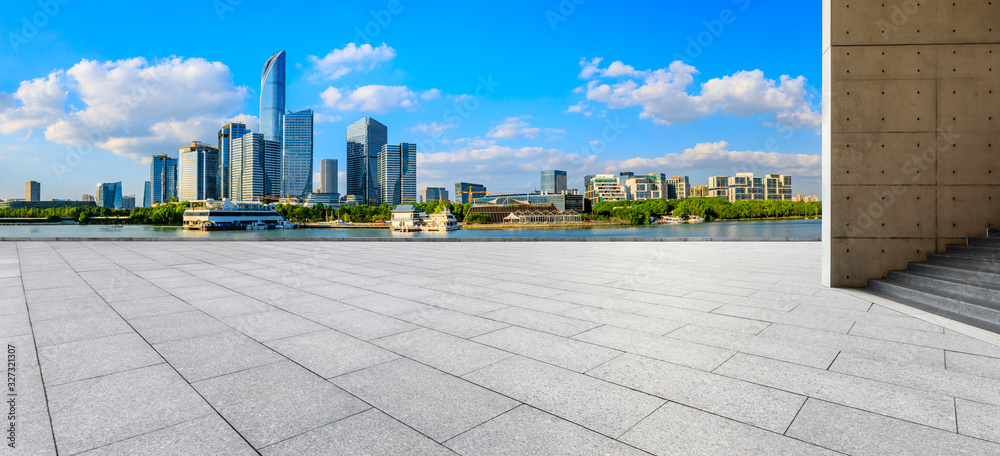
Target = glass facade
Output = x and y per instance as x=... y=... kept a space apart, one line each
x=163 y=178
x=146 y=195
x=562 y=202
x=466 y=192
x=434 y=195
x=256 y=168
x=328 y=176
x=553 y=181
x=397 y=173
x=297 y=154
x=198 y=170
x=365 y=139
x=226 y=135
x=272 y=97
x=109 y=195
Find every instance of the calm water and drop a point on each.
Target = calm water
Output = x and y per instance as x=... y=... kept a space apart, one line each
x=751 y=229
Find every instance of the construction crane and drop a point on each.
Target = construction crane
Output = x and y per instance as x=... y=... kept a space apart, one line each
x=287 y=199
x=484 y=194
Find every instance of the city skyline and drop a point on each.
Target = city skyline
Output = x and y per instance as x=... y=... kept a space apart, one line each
x=589 y=108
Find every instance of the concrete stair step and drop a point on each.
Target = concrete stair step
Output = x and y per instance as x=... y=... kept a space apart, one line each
x=978 y=263
x=926 y=300
x=988 y=277
x=976 y=251
x=979 y=314
x=949 y=287
x=985 y=241
x=993 y=232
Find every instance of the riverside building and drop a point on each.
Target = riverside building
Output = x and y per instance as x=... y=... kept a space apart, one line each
x=198 y=172
x=227 y=134
x=604 y=187
x=466 y=192
x=746 y=187
x=433 y=195
x=397 y=174
x=365 y=139
x=162 y=179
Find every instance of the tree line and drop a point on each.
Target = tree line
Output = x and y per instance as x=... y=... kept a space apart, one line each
x=639 y=212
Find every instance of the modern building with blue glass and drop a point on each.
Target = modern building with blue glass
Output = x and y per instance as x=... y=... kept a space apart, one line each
x=297 y=154
x=562 y=201
x=272 y=97
x=466 y=192
x=109 y=195
x=365 y=139
x=553 y=181
x=146 y=194
x=198 y=172
x=162 y=178
x=255 y=171
x=226 y=136
x=397 y=174
x=434 y=195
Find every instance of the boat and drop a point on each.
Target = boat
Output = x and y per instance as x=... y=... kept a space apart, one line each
x=225 y=215
x=406 y=219
x=442 y=221
x=695 y=219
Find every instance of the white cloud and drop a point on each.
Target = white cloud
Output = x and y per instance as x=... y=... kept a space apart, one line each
x=717 y=155
x=372 y=98
x=430 y=94
x=352 y=57
x=514 y=127
x=433 y=129
x=132 y=107
x=320 y=118
x=663 y=94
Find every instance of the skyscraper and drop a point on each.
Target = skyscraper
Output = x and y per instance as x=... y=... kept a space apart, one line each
x=226 y=135
x=32 y=191
x=146 y=195
x=397 y=173
x=433 y=195
x=163 y=178
x=128 y=202
x=466 y=192
x=365 y=139
x=328 y=176
x=272 y=97
x=297 y=154
x=553 y=181
x=256 y=168
x=198 y=169
x=109 y=195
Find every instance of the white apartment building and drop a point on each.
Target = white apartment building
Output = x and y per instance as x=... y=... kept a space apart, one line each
x=744 y=187
x=604 y=187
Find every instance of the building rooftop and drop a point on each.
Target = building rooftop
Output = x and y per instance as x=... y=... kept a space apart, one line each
x=434 y=348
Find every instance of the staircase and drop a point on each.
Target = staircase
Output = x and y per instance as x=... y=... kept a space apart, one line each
x=962 y=284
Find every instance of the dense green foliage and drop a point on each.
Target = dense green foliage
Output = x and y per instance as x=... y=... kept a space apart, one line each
x=639 y=212
x=164 y=214
x=477 y=218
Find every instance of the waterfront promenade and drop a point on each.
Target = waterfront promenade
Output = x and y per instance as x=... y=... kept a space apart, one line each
x=475 y=348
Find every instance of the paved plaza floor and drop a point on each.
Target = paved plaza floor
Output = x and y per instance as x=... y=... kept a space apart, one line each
x=480 y=348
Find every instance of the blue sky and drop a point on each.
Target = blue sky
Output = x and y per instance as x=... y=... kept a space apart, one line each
x=90 y=90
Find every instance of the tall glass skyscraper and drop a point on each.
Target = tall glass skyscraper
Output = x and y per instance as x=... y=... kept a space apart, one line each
x=365 y=139
x=146 y=194
x=328 y=175
x=397 y=173
x=163 y=178
x=226 y=135
x=297 y=154
x=109 y=195
x=553 y=181
x=272 y=97
x=256 y=168
x=198 y=172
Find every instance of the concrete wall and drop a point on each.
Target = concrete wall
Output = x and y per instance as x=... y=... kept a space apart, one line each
x=911 y=134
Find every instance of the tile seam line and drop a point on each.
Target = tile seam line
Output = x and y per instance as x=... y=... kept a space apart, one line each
x=209 y=404
x=144 y=433
x=34 y=342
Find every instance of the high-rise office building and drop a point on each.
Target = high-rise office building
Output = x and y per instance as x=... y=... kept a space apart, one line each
x=433 y=195
x=162 y=178
x=198 y=172
x=226 y=135
x=328 y=176
x=87 y=197
x=255 y=171
x=32 y=191
x=272 y=97
x=553 y=181
x=586 y=181
x=109 y=195
x=397 y=173
x=128 y=202
x=365 y=139
x=297 y=154
x=466 y=192
x=145 y=194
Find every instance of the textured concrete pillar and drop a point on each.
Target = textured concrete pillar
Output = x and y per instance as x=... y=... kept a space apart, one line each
x=911 y=132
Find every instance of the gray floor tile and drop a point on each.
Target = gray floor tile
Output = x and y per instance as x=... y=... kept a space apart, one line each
x=676 y=351
x=230 y=306
x=532 y=302
x=130 y=403
x=74 y=361
x=921 y=407
x=805 y=355
x=978 y=420
x=451 y=322
x=148 y=307
x=595 y=404
x=272 y=325
x=385 y=304
x=980 y=366
x=634 y=322
x=436 y=404
x=750 y=403
x=541 y=321
x=51 y=310
x=529 y=431
x=369 y=433
x=854 y=431
x=451 y=354
x=460 y=303
x=680 y=430
x=271 y=403
x=206 y=435
x=331 y=353
x=567 y=353
x=872 y=348
x=710 y=320
x=101 y=323
x=361 y=323
x=177 y=326
x=952 y=342
x=212 y=355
